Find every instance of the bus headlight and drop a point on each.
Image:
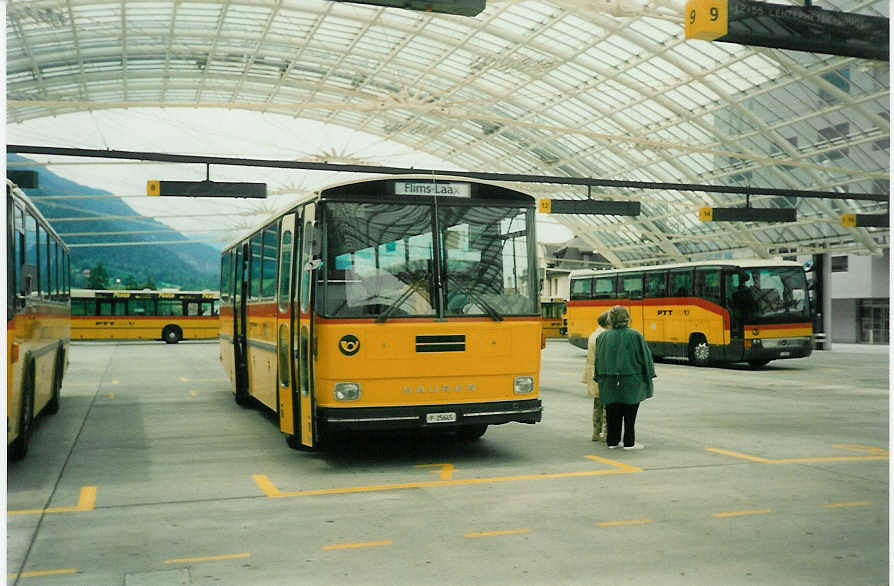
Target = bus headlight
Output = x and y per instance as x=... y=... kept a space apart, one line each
x=522 y=385
x=347 y=391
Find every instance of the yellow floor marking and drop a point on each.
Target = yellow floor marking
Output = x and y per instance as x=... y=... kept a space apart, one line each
x=851 y=504
x=742 y=513
x=38 y=573
x=86 y=501
x=446 y=470
x=210 y=558
x=111 y=396
x=621 y=523
x=880 y=454
x=115 y=381
x=272 y=491
x=497 y=533
x=357 y=545
x=183 y=379
x=194 y=393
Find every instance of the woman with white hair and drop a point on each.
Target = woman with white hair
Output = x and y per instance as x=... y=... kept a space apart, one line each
x=624 y=371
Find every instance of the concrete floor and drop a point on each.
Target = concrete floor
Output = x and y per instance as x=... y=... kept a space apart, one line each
x=150 y=474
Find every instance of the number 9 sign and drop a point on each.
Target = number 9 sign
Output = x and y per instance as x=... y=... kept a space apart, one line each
x=706 y=19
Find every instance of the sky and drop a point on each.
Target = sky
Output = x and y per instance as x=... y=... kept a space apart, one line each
x=225 y=133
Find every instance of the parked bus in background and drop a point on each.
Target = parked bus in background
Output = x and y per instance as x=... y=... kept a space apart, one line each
x=552 y=316
x=37 y=318
x=144 y=315
x=400 y=303
x=750 y=311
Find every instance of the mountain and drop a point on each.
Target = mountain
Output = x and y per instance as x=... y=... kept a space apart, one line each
x=187 y=266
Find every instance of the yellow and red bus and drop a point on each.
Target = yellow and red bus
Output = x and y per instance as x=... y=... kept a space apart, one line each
x=552 y=317
x=37 y=318
x=398 y=303
x=750 y=311
x=144 y=315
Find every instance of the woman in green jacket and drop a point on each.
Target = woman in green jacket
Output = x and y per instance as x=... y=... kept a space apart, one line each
x=624 y=371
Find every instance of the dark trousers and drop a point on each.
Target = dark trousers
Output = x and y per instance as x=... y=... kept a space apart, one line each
x=615 y=414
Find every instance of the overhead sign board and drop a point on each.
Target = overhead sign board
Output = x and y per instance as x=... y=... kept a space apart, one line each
x=155 y=187
x=783 y=26
x=865 y=220
x=747 y=214
x=589 y=207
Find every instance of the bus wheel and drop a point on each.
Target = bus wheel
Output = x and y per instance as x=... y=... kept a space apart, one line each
x=19 y=448
x=470 y=432
x=53 y=404
x=172 y=334
x=699 y=351
x=758 y=363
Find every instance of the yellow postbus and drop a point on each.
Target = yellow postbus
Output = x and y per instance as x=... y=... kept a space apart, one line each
x=552 y=317
x=144 y=315
x=37 y=318
x=750 y=311
x=398 y=303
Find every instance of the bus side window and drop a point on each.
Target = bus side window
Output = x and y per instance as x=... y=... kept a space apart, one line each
x=656 y=284
x=29 y=269
x=582 y=289
x=632 y=285
x=681 y=283
x=707 y=284
x=254 y=268
x=605 y=288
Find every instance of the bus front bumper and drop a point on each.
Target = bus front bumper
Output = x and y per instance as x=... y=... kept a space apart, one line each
x=776 y=348
x=430 y=416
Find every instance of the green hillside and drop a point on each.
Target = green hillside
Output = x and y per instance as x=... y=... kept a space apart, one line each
x=186 y=266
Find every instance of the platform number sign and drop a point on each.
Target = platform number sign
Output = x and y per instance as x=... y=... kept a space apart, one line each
x=706 y=19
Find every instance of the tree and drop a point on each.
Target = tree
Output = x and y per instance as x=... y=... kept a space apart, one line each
x=149 y=283
x=99 y=278
x=130 y=282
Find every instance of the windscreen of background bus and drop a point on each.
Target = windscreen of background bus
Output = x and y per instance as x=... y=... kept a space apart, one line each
x=381 y=261
x=769 y=295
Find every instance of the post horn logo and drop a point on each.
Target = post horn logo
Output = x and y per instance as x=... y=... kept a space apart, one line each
x=755 y=332
x=349 y=344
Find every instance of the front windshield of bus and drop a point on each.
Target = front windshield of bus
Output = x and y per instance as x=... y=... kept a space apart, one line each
x=771 y=294
x=485 y=252
x=381 y=261
x=380 y=258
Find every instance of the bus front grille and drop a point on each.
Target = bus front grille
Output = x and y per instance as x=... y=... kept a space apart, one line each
x=441 y=343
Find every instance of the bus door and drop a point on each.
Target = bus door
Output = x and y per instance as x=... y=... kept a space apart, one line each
x=737 y=300
x=304 y=333
x=284 y=350
x=239 y=337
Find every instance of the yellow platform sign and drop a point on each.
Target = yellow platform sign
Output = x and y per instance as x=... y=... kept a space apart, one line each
x=706 y=19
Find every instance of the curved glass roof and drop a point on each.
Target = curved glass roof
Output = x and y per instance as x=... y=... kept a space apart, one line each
x=607 y=89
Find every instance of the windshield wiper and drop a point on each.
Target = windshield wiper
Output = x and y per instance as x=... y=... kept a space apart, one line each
x=479 y=299
x=395 y=304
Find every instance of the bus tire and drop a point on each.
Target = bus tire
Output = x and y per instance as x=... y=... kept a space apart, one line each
x=19 y=447
x=699 y=351
x=53 y=404
x=172 y=334
x=470 y=432
x=758 y=363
